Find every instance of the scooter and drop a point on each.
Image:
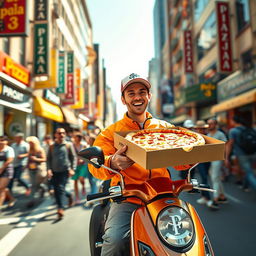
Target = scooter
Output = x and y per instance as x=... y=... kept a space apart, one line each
x=163 y=225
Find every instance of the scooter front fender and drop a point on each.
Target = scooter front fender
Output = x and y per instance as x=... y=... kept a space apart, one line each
x=143 y=229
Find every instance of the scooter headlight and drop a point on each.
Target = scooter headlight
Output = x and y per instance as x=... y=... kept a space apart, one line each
x=175 y=227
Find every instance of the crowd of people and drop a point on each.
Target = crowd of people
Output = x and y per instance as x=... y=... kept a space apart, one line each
x=238 y=161
x=49 y=165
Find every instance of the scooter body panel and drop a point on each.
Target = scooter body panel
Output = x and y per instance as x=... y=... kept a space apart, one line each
x=143 y=229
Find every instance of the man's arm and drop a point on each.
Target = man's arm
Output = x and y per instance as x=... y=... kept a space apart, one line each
x=72 y=157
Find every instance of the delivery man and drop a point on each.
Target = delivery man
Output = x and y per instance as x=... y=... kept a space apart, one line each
x=136 y=95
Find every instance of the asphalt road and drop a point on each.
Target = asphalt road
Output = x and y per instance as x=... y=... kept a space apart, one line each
x=36 y=232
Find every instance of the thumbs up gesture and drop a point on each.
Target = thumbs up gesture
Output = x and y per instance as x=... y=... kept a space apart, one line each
x=120 y=161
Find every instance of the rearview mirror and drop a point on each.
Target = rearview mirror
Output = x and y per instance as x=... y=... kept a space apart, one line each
x=92 y=155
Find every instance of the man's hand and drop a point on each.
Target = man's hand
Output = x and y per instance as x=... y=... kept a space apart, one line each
x=49 y=174
x=71 y=172
x=120 y=161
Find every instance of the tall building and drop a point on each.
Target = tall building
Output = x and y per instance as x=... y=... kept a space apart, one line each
x=46 y=71
x=212 y=59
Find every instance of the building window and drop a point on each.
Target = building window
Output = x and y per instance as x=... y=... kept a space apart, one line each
x=6 y=45
x=207 y=36
x=23 y=51
x=247 y=60
x=242 y=13
x=199 y=7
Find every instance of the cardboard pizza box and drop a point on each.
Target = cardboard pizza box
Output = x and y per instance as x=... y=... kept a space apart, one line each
x=213 y=150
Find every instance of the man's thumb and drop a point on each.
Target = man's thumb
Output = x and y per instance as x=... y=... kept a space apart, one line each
x=121 y=150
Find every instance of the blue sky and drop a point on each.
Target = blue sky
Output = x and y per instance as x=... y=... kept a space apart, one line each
x=124 y=31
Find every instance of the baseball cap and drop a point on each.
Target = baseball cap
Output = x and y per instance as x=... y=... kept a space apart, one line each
x=201 y=124
x=134 y=78
x=188 y=123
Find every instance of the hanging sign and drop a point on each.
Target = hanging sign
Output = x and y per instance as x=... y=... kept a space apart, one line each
x=224 y=38
x=61 y=73
x=188 y=51
x=70 y=90
x=13 y=18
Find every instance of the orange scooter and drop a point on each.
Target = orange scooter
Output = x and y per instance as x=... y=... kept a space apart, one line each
x=164 y=225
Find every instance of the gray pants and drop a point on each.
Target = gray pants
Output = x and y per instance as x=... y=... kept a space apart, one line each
x=215 y=173
x=116 y=240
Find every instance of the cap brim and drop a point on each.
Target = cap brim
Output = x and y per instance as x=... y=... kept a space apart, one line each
x=137 y=80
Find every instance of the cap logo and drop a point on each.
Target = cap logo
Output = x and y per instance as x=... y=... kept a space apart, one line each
x=133 y=75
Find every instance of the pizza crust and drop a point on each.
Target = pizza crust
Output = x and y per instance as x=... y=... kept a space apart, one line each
x=158 y=139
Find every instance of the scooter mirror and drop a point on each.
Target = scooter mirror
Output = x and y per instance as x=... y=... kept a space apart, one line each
x=92 y=155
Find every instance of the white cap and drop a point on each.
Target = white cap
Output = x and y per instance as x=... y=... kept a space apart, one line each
x=188 y=124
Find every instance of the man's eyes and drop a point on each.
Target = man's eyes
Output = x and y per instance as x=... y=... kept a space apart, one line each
x=142 y=93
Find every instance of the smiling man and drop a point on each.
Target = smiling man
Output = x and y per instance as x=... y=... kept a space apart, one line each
x=135 y=94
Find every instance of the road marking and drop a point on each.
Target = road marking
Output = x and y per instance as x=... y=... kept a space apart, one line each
x=234 y=199
x=11 y=239
x=7 y=221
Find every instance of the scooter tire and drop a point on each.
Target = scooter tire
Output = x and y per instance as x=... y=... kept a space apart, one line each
x=96 y=228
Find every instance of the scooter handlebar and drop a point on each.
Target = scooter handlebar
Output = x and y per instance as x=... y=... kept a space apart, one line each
x=97 y=196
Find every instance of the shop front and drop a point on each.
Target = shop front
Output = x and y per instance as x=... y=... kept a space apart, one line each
x=47 y=112
x=15 y=98
x=237 y=96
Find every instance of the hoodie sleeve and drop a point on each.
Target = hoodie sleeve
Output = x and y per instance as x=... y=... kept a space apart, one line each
x=105 y=140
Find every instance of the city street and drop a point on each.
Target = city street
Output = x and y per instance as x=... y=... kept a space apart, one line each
x=36 y=232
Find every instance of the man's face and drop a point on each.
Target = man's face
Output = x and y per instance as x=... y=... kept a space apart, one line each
x=136 y=98
x=60 y=134
x=212 y=124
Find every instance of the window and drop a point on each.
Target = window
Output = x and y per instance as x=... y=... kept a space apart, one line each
x=207 y=36
x=199 y=7
x=22 y=51
x=247 y=60
x=6 y=45
x=242 y=13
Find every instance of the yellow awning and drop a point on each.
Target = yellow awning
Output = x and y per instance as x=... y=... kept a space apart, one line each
x=179 y=119
x=47 y=110
x=69 y=115
x=240 y=100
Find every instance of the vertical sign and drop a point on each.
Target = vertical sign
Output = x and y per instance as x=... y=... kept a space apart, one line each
x=41 y=55
x=13 y=18
x=188 y=51
x=70 y=90
x=61 y=73
x=224 y=37
x=41 y=40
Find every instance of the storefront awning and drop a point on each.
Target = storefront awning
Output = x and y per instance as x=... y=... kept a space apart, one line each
x=47 y=110
x=179 y=119
x=240 y=100
x=70 y=117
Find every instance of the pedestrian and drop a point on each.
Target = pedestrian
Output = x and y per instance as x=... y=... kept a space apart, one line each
x=203 y=169
x=37 y=168
x=245 y=159
x=90 y=138
x=21 y=149
x=6 y=171
x=61 y=163
x=47 y=141
x=216 y=167
x=135 y=95
x=81 y=171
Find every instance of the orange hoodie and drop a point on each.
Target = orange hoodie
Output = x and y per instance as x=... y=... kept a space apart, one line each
x=135 y=174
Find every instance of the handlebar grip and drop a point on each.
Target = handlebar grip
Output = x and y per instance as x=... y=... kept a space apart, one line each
x=97 y=195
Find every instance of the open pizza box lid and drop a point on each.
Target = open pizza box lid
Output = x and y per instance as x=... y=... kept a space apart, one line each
x=213 y=150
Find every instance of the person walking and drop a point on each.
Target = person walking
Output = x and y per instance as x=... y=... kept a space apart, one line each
x=36 y=167
x=21 y=149
x=216 y=166
x=203 y=169
x=61 y=163
x=47 y=142
x=6 y=171
x=245 y=159
x=81 y=171
x=135 y=95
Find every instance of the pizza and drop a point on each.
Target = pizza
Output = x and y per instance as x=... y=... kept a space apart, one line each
x=170 y=138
